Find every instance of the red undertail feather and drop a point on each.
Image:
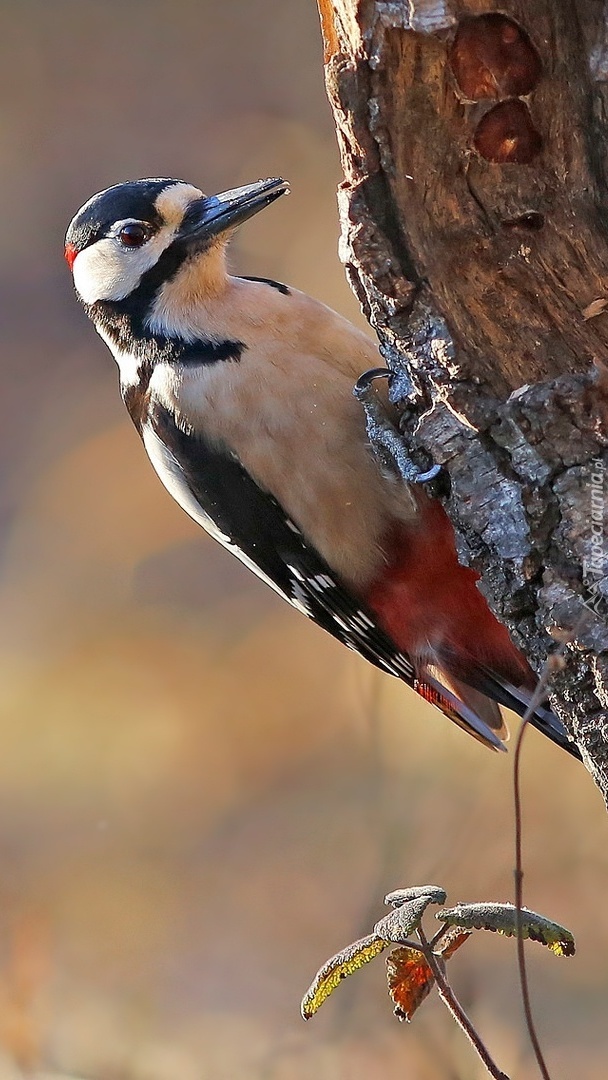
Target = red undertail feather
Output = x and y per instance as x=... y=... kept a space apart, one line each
x=432 y=609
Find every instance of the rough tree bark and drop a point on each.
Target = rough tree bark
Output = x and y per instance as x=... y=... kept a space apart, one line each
x=474 y=219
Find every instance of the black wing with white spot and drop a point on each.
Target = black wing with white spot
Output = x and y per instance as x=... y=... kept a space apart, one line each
x=218 y=492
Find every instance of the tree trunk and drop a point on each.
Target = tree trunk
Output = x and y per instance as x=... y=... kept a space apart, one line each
x=474 y=218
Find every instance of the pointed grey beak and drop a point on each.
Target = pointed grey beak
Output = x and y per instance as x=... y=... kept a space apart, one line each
x=213 y=215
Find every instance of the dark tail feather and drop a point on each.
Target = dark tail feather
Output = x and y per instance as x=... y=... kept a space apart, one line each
x=543 y=719
x=457 y=710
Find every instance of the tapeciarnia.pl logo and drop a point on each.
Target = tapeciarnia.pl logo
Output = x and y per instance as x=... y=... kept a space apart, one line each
x=595 y=568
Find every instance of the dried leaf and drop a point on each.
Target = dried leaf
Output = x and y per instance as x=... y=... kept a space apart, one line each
x=451 y=941
x=409 y=980
x=398 y=924
x=337 y=968
x=502 y=919
x=435 y=893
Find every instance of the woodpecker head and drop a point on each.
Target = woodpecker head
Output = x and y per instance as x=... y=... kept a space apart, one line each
x=130 y=239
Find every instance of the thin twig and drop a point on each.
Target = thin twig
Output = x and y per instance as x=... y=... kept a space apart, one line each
x=438 y=936
x=452 y=1003
x=537 y=697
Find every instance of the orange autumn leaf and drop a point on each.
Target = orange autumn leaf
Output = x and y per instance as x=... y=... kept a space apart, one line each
x=409 y=980
x=409 y=975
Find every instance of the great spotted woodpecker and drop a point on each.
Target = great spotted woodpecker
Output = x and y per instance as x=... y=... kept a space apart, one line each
x=242 y=392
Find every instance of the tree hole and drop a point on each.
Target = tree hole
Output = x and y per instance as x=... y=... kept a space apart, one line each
x=493 y=57
x=506 y=134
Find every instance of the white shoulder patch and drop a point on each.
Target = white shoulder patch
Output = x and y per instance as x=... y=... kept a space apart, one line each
x=169 y=472
x=128 y=363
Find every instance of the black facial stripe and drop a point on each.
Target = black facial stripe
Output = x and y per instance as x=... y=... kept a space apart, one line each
x=206 y=352
x=199 y=353
x=134 y=199
x=128 y=334
x=268 y=281
x=150 y=349
x=138 y=304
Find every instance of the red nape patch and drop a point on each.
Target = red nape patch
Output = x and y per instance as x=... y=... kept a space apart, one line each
x=70 y=254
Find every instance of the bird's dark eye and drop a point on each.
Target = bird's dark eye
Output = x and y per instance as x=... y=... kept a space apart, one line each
x=133 y=235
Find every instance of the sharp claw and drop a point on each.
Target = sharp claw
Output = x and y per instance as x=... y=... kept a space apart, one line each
x=438 y=479
x=387 y=443
x=431 y=474
x=363 y=383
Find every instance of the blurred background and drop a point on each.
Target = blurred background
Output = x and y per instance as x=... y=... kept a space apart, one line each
x=201 y=795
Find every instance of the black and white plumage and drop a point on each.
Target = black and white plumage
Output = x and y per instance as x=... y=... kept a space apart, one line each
x=241 y=389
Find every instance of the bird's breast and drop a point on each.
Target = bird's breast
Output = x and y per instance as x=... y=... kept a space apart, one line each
x=294 y=424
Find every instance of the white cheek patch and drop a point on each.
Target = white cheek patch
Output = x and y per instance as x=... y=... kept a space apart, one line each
x=108 y=271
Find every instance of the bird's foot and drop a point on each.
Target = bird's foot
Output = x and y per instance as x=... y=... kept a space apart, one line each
x=387 y=441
